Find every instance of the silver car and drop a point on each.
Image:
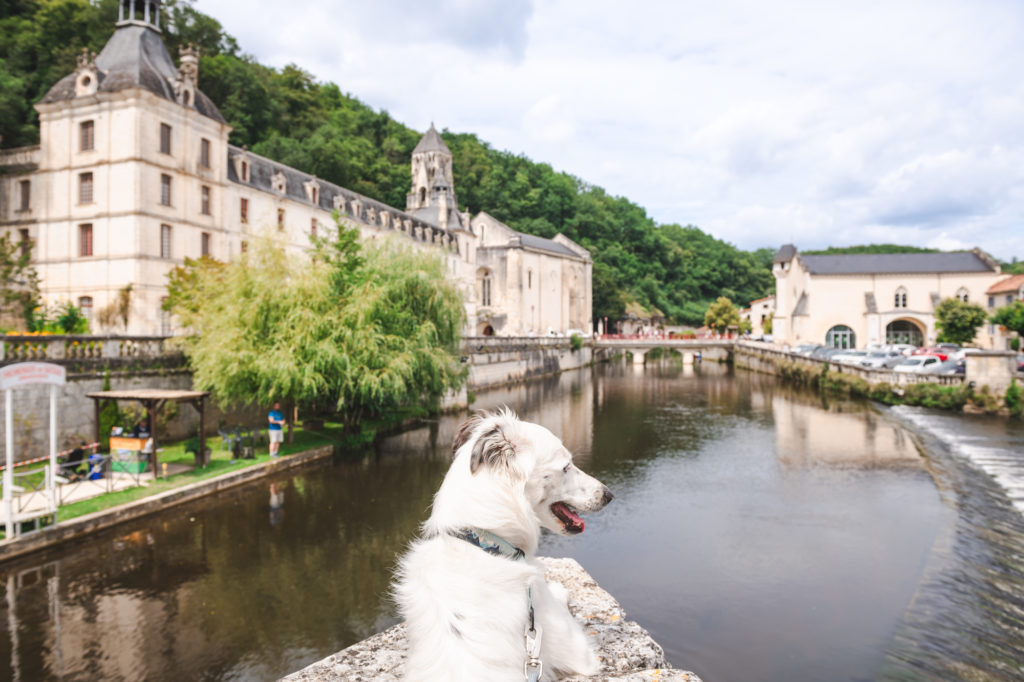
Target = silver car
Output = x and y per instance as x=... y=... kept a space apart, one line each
x=917 y=364
x=882 y=359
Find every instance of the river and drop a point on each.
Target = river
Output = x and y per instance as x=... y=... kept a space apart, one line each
x=758 y=532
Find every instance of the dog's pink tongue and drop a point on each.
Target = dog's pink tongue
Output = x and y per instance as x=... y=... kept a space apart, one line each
x=565 y=512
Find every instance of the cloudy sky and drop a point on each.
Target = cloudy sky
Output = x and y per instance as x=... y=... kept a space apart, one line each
x=818 y=123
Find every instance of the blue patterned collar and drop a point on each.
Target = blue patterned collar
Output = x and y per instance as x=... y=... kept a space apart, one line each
x=489 y=542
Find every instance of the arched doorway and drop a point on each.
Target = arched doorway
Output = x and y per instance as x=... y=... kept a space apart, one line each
x=487 y=330
x=904 y=331
x=841 y=336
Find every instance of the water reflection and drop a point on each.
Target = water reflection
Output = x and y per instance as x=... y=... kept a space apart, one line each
x=757 y=532
x=807 y=435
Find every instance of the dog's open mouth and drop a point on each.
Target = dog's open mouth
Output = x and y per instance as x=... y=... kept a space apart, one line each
x=571 y=520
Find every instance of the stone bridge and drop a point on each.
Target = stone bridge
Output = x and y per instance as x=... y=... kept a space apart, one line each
x=639 y=347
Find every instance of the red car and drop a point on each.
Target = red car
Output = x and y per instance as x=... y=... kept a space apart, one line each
x=941 y=353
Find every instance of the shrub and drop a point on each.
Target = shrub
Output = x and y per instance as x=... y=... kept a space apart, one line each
x=575 y=342
x=1013 y=398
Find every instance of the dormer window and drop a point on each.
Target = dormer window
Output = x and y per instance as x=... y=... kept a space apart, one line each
x=245 y=171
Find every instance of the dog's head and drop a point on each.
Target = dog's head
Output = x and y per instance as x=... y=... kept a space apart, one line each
x=530 y=456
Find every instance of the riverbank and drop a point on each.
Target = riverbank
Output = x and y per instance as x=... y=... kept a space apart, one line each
x=626 y=650
x=81 y=526
x=988 y=387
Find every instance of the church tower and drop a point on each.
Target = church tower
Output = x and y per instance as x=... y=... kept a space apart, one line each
x=433 y=193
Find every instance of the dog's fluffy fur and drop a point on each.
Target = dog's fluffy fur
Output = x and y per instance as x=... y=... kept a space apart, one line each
x=466 y=610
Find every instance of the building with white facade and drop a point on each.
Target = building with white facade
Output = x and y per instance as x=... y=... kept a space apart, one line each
x=134 y=173
x=853 y=300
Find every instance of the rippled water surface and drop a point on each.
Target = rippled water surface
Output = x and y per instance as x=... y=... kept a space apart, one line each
x=758 y=533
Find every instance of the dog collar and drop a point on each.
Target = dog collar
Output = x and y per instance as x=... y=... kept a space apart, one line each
x=489 y=542
x=494 y=544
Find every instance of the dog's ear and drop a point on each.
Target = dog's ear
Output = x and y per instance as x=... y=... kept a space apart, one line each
x=493 y=449
x=465 y=431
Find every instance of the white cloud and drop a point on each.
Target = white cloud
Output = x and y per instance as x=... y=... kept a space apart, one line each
x=818 y=122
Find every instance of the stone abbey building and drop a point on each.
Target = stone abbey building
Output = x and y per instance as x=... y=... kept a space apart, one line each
x=134 y=173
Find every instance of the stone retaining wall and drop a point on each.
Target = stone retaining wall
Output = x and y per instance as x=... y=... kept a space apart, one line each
x=628 y=653
x=497 y=361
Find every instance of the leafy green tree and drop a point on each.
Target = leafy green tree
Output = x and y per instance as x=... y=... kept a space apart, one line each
x=359 y=331
x=957 y=321
x=721 y=315
x=19 y=282
x=1011 y=316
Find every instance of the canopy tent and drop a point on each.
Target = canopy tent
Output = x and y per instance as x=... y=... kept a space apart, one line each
x=154 y=399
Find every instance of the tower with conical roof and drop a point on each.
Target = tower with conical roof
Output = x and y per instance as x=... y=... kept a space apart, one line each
x=432 y=198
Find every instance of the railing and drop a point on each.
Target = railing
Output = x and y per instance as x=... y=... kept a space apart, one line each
x=22 y=348
x=482 y=344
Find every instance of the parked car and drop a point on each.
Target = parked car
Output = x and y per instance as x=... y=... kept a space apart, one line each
x=951 y=366
x=904 y=348
x=882 y=359
x=1020 y=362
x=849 y=357
x=950 y=347
x=941 y=353
x=916 y=364
x=806 y=349
x=825 y=352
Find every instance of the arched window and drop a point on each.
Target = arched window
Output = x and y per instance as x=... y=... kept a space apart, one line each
x=901 y=298
x=840 y=336
x=423 y=195
x=904 y=331
x=962 y=294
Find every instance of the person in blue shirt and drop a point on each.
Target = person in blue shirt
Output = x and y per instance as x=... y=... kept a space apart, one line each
x=276 y=433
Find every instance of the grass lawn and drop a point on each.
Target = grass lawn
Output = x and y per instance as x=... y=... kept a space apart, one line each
x=221 y=462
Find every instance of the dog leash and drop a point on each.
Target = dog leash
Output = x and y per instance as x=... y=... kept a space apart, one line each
x=494 y=544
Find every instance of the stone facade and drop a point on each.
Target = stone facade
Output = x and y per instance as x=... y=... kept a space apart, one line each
x=134 y=173
x=856 y=300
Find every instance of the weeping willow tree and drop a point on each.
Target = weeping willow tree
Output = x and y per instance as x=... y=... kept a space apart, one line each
x=358 y=330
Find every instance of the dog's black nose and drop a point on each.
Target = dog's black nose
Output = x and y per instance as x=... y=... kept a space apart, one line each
x=606 y=497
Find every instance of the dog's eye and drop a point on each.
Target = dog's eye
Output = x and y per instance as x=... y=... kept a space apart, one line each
x=567 y=467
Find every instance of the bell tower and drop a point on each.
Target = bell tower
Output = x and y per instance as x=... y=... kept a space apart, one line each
x=139 y=12
x=431 y=174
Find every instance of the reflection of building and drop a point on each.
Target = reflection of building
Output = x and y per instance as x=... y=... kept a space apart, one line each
x=807 y=435
x=856 y=299
x=134 y=173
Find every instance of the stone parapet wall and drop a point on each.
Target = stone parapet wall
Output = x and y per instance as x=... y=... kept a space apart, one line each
x=497 y=361
x=766 y=358
x=627 y=652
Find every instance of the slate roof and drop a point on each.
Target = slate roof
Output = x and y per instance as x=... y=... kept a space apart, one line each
x=431 y=142
x=895 y=263
x=261 y=175
x=134 y=57
x=785 y=254
x=549 y=245
x=1010 y=285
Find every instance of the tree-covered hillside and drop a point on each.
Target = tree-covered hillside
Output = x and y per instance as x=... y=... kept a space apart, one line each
x=289 y=116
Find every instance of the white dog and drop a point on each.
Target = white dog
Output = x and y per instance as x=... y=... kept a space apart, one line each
x=469 y=587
